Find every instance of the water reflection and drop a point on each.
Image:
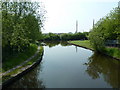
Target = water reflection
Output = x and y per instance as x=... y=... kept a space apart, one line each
x=64 y=43
x=76 y=48
x=55 y=43
x=62 y=67
x=102 y=65
x=30 y=80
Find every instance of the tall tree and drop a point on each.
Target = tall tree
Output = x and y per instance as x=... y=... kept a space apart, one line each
x=21 y=25
x=107 y=28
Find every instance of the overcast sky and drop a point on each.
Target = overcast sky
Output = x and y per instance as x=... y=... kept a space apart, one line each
x=61 y=15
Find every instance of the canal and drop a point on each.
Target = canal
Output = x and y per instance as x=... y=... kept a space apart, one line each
x=68 y=66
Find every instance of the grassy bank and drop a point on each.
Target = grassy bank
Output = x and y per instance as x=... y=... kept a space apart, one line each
x=85 y=43
x=17 y=59
x=114 y=52
x=35 y=58
x=28 y=64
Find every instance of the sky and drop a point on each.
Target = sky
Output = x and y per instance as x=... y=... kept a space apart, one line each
x=61 y=15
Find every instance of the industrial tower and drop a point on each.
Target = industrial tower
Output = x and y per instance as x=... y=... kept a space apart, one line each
x=76 y=26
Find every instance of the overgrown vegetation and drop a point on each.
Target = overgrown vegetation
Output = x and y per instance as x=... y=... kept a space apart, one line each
x=14 y=60
x=115 y=52
x=23 y=67
x=35 y=58
x=65 y=36
x=107 y=28
x=21 y=26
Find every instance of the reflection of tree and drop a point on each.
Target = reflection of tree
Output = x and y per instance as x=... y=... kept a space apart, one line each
x=109 y=68
x=30 y=80
x=64 y=43
x=54 y=43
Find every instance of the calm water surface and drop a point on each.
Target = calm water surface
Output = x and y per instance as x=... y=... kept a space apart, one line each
x=68 y=66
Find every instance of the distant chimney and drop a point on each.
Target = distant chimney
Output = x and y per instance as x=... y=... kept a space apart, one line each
x=76 y=26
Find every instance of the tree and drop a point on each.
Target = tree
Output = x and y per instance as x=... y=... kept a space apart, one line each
x=105 y=29
x=21 y=25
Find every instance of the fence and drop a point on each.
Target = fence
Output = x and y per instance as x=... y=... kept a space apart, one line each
x=113 y=43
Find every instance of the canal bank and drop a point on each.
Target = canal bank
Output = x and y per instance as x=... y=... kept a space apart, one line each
x=68 y=66
x=83 y=44
x=17 y=72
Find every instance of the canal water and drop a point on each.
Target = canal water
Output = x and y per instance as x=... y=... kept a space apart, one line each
x=68 y=66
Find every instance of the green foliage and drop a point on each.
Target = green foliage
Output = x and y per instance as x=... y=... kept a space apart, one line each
x=85 y=43
x=97 y=40
x=75 y=36
x=107 y=28
x=36 y=57
x=51 y=37
x=21 y=25
x=21 y=68
x=11 y=62
x=65 y=36
x=115 y=52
